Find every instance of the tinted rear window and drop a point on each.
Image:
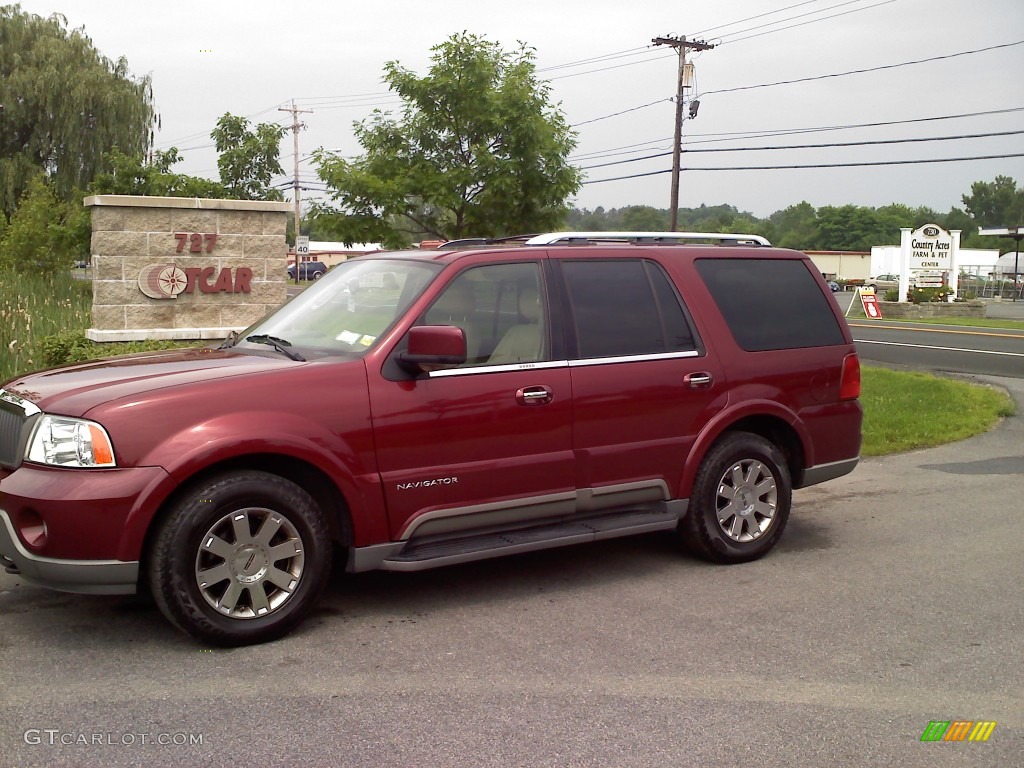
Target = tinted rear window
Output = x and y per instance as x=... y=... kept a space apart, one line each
x=771 y=303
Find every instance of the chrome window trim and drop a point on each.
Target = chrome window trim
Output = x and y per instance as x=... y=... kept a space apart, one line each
x=632 y=358
x=545 y=365
x=550 y=364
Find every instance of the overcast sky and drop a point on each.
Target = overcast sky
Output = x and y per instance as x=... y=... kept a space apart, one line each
x=250 y=57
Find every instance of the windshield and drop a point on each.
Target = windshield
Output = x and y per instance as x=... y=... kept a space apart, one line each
x=345 y=311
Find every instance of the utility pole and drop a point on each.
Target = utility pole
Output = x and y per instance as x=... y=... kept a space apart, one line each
x=296 y=125
x=682 y=46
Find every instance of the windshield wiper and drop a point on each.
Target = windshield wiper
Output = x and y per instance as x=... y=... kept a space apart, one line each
x=230 y=341
x=279 y=344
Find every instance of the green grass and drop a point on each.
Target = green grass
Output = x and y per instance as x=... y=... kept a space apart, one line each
x=977 y=322
x=904 y=411
x=33 y=307
x=43 y=320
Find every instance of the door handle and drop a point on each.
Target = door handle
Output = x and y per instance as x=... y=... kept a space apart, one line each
x=698 y=380
x=537 y=395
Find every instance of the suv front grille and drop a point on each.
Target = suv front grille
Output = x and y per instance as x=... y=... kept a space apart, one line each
x=16 y=417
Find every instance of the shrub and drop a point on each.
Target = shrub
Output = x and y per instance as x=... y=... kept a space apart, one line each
x=74 y=347
x=45 y=234
x=925 y=295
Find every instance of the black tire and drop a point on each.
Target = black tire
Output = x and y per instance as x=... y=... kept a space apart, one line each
x=262 y=545
x=751 y=471
x=317 y=275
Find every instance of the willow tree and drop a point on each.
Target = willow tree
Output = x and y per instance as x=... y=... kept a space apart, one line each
x=478 y=150
x=64 y=106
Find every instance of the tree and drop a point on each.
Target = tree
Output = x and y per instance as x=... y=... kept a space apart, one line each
x=850 y=228
x=795 y=227
x=64 y=105
x=132 y=176
x=999 y=203
x=478 y=151
x=248 y=159
x=644 y=218
x=45 y=234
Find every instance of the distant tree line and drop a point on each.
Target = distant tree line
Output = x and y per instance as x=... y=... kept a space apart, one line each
x=829 y=228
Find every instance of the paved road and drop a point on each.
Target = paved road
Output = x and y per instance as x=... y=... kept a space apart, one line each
x=893 y=600
x=962 y=349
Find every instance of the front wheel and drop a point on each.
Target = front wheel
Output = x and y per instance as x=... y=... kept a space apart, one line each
x=240 y=559
x=740 y=501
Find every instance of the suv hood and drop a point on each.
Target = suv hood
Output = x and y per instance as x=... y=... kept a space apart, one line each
x=74 y=389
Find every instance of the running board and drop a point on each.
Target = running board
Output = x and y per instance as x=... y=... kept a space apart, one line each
x=420 y=556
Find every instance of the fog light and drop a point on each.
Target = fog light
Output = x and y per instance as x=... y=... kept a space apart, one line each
x=32 y=529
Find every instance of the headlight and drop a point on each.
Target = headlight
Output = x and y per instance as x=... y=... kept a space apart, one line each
x=66 y=442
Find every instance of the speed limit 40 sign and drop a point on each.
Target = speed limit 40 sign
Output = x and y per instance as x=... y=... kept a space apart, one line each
x=302 y=246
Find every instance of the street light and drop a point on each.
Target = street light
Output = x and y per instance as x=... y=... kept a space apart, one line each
x=1016 y=234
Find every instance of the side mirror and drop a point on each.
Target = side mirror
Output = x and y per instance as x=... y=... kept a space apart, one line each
x=433 y=345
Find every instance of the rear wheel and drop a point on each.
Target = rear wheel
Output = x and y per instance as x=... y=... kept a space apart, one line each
x=240 y=559
x=740 y=501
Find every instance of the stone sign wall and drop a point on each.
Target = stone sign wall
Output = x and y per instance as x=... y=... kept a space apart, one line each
x=184 y=268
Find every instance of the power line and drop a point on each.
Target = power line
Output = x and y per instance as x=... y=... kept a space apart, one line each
x=798 y=16
x=596 y=59
x=817 y=165
x=623 y=112
x=811 y=146
x=770 y=31
x=815 y=77
x=862 y=71
x=733 y=136
x=614 y=66
x=804 y=23
x=812 y=78
x=751 y=18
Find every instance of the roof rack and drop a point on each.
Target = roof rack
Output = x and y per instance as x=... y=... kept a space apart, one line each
x=647 y=238
x=475 y=242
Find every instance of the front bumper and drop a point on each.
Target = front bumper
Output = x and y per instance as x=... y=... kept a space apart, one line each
x=93 y=577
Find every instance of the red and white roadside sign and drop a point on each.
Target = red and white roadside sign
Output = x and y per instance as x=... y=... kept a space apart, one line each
x=870 y=302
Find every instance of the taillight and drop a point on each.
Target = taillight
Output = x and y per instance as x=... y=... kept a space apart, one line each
x=849 y=383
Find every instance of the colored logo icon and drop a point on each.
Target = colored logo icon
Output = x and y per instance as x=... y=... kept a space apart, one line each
x=958 y=730
x=162 y=281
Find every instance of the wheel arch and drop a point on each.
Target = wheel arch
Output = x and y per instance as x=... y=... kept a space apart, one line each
x=775 y=425
x=312 y=479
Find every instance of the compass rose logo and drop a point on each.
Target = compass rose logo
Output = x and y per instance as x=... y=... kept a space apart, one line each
x=162 y=281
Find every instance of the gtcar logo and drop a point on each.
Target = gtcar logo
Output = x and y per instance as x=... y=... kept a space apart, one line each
x=162 y=281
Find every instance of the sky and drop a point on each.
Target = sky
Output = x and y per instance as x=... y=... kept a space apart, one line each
x=253 y=57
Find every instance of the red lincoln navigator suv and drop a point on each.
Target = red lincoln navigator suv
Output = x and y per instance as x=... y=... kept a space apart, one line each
x=421 y=408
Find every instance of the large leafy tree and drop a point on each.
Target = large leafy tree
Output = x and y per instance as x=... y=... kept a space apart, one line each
x=998 y=203
x=130 y=175
x=64 y=105
x=249 y=158
x=478 y=151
